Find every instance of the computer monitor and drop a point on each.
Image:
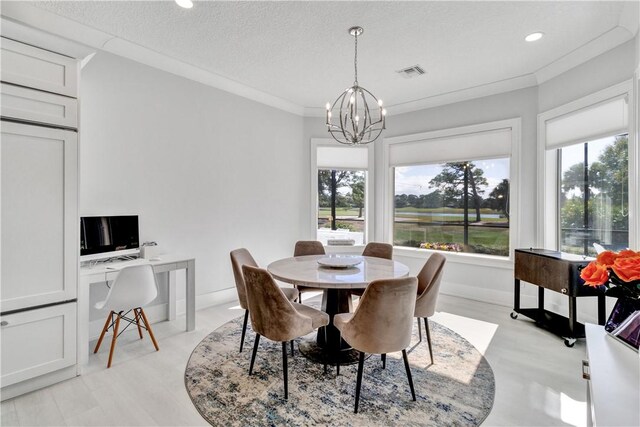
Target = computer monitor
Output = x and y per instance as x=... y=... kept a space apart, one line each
x=108 y=236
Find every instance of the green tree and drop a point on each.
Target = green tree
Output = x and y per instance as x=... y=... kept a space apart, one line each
x=357 y=193
x=451 y=183
x=499 y=198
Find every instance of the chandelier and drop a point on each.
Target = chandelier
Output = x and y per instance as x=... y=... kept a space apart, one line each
x=360 y=113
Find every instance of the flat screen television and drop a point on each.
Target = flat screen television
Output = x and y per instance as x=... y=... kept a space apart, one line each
x=107 y=236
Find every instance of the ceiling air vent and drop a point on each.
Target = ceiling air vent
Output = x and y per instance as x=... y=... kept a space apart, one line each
x=411 y=72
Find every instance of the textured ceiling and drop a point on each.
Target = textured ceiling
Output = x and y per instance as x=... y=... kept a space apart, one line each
x=301 y=51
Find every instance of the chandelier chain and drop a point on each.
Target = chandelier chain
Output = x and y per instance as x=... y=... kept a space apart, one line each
x=355 y=61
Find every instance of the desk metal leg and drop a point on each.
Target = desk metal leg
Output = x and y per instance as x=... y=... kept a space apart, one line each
x=191 y=295
x=171 y=306
x=516 y=295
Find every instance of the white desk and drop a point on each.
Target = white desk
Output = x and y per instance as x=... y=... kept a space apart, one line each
x=108 y=271
x=613 y=391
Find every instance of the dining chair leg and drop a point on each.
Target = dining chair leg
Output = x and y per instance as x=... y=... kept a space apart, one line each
x=244 y=328
x=291 y=347
x=148 y=325
x=114 y=339
x=104 y=330
x=326 y=355
x=253 y=355
x=426 y=327
x=406 y=366
x=384 y=360
x=419 y=330
x=136 y=317
x=284 y=369
x=337 y=355
x=359 y=380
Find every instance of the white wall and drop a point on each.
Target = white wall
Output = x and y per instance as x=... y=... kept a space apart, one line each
x=206 y=171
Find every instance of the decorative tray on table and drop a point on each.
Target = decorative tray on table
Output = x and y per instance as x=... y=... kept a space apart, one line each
x=341 y=261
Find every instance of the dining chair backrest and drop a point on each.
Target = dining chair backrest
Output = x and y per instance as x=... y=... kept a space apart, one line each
x=240 y=257
x=272 y=314
x=429 y=280
x=308 y=247
x=378 y=250
x=383 y=320
x=135 y=286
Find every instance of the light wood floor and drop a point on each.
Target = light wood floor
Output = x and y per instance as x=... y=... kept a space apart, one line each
x=538 y=379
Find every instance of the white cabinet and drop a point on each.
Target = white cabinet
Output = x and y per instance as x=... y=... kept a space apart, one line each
x=39 y=215
x=39 y=224
x=35 y=68
x=37 y=342
x=21 y=103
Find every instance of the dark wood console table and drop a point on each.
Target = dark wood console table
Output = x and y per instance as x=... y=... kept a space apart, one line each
x=556 y=271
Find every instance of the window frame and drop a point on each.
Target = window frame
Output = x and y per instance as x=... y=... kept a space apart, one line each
x=369 y=213
x=548 y=173
x=514 y=189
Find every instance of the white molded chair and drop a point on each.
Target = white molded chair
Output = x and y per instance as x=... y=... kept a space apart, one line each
x=133 y=288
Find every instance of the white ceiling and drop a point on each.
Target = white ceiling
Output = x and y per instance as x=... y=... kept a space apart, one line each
x=301 y=51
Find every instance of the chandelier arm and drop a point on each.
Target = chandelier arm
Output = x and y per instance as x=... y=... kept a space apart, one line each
x=355 y=61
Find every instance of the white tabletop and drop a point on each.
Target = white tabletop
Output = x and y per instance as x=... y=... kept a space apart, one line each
x=306 y=271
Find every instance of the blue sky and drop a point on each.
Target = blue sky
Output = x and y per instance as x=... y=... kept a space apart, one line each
x=415 y=179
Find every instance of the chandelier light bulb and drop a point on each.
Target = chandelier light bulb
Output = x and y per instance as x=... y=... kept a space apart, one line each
x=379 y=102
x=328 y=106
x=384 y=112
x=357 y=119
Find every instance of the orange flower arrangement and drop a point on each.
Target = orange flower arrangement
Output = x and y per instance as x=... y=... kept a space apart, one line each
x=620 y=270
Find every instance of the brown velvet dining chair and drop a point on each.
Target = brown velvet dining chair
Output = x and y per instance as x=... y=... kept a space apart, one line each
x=429 y=280
x=376 y=250
x=240 y=257
x=381 y=324
x=303 y=248
x=275 y=317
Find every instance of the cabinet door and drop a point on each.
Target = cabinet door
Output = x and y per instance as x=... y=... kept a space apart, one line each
x=39 y=215
x=33 y=105
x=36 y=342
x=29 y=66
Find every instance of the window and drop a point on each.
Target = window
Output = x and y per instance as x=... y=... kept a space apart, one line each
x=455 y=189
x=455 y=206
x=341 y=205
x=594 y=195
x=587 y=181
x=340 y=185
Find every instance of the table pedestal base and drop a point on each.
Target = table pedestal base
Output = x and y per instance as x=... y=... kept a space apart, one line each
x=312 y=351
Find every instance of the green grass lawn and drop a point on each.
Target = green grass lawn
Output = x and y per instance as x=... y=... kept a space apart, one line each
x=326 y=212
x=481 y=239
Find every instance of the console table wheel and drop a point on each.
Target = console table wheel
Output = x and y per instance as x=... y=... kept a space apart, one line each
x=514 y=315
x=569 y=342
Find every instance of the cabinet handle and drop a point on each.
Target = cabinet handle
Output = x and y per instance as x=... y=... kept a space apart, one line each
x=585 y=370
x=4 y=323
x=564 y=291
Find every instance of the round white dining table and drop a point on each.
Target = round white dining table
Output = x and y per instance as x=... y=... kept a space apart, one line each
x=337 y=284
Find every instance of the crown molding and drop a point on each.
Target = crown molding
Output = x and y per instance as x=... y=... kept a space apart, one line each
x=452 y=97
x=601 y=44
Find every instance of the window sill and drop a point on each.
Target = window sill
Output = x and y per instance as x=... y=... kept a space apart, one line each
x=457 y=257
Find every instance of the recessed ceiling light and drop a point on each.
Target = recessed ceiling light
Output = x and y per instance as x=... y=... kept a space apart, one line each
x=533 y=37
x=187 y=4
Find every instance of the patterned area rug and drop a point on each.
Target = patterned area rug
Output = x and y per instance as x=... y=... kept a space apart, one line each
x=457 y=390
